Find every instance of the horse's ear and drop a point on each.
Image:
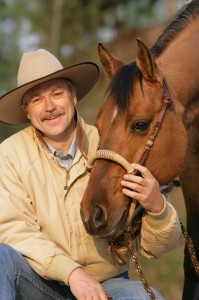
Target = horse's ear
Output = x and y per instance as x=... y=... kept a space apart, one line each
x=145 y=62
x=110 y=62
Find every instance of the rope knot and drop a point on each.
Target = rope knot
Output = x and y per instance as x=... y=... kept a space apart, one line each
x=166 y=101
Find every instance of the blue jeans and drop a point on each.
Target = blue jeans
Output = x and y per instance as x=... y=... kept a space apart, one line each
x=19 y=281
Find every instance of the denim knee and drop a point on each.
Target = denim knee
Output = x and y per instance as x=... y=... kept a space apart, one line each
x=11 y=260
x=127 y=289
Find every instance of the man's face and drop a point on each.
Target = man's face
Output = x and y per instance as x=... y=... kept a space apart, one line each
x=50 y=108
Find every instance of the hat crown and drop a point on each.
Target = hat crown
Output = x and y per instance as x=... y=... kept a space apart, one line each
x=36 y=65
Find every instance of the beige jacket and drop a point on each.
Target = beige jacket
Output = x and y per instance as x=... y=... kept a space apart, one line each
x=40 y=210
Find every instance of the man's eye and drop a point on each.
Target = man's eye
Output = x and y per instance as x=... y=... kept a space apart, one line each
x=58 y=94
x=37 y=99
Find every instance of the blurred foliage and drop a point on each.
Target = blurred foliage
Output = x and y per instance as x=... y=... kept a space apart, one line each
x=70 y=29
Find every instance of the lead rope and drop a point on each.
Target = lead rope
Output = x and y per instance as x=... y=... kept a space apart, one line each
x=191 y=249
x=119 y=246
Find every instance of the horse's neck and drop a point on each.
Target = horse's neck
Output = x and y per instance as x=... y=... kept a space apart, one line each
x=179 y=63
x=189 y=174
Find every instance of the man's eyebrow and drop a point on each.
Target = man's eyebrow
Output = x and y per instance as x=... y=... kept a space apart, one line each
x=35 y=93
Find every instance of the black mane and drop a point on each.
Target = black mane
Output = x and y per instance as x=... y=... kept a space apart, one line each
x=121 y=86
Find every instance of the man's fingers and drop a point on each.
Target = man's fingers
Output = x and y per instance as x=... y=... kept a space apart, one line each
x=131 y=179
x=144 y=171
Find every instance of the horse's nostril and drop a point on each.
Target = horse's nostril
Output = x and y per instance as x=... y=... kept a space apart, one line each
x=99 y=218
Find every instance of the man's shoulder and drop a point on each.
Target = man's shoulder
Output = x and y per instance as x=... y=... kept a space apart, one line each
x=20 y=150
x=21 y=137
x=20 y=143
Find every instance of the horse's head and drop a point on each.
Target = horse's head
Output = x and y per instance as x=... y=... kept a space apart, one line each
x=125 y=123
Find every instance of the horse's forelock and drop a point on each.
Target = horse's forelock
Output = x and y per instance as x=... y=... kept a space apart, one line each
x=121 y=86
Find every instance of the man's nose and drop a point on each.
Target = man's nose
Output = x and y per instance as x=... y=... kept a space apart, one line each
x=49 y=104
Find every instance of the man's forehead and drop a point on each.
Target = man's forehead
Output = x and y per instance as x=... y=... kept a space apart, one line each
x=45 y=86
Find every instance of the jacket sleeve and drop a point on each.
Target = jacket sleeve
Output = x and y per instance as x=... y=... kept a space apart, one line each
x=19 y=228
x=160 y=232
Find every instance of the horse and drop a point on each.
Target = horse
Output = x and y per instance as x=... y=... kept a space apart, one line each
x=142 y=121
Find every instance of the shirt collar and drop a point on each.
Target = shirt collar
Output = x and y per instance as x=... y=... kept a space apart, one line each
x=71 y=150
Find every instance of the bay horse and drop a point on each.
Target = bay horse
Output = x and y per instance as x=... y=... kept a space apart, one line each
x=135 y=114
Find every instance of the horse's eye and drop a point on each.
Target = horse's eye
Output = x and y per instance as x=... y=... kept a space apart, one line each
x=140 y=126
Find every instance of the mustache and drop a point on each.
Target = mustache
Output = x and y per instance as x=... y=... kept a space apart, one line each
x=52 y=115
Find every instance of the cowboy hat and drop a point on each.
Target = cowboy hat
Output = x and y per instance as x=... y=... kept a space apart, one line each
x=40 y=66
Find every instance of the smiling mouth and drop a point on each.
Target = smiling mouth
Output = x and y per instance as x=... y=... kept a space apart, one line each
x=52 y=117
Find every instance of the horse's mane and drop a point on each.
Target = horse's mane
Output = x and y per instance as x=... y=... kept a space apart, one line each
x=185 y=16
x=121 y=86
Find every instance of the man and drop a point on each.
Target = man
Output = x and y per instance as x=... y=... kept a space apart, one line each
x=45 y=252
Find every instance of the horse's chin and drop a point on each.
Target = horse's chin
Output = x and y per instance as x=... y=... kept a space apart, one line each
x=127 y=218
x=118 y=229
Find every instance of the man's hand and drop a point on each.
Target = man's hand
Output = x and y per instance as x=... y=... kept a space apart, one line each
x=144 y=189
x=85 y=287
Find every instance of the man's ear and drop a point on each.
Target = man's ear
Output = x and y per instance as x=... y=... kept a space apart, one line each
x=75 y=100
x=25 y=109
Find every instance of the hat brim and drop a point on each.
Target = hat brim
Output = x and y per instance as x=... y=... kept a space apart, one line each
x=83 y=76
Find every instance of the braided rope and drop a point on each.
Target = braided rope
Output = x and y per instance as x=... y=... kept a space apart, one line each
x=110 y=155
x=140 y=273
x=191 y=249
x=119 y=246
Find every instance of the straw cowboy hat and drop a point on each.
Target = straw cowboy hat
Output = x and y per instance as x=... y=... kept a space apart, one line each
x=40 y=66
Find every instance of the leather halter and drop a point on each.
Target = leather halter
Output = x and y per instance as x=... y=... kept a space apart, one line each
x=166 y=101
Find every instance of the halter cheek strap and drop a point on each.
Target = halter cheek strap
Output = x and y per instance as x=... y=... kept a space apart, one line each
x=166 y=101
